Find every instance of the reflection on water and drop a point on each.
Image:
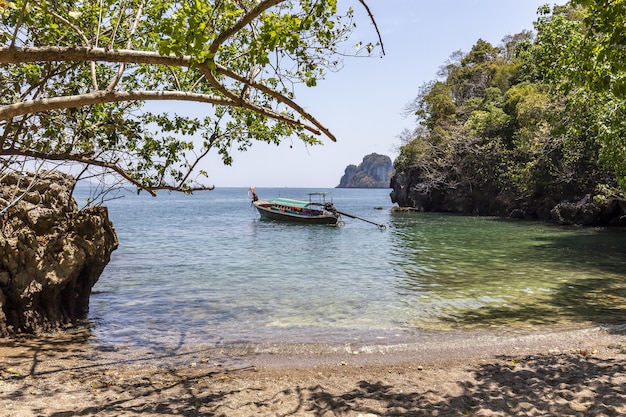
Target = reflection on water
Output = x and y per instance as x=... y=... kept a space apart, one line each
x=468 y=271
x=206 y=270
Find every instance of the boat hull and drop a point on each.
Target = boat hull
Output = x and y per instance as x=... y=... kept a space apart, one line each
x=267 y=212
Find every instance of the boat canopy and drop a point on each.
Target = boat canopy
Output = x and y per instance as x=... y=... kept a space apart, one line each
x=291 y=203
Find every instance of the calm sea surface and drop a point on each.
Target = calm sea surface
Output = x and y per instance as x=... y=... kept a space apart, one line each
x=206 y=270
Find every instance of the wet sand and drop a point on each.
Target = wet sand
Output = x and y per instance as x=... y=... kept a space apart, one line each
x=579 y=372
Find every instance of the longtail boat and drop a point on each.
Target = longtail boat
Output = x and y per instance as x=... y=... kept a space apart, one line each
x=287 y=209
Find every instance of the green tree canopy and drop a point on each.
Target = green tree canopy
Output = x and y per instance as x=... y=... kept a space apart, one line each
x=500 y=125
x=581 y=53
x=76 y=78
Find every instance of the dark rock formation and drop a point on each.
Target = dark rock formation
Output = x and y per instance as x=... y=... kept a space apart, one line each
x=373 y=172
x=51 y=254
x=580 y=210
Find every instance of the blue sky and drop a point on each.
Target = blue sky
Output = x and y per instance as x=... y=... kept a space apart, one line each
x=363 y=103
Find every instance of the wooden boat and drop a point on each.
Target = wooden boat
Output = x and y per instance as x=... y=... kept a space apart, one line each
x=287 y=209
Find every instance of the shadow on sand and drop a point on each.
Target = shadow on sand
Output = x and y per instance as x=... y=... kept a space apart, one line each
x=64 y=378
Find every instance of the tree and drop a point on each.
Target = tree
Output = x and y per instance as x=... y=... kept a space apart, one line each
x=78 y=81
x=603 y=44
x=493 y=135
x=580 y=51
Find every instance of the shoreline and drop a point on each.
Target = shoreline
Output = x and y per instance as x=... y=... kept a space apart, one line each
x=549 y=371
x=431 y=345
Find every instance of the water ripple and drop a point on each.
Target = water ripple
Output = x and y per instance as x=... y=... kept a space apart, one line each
x=205 y=269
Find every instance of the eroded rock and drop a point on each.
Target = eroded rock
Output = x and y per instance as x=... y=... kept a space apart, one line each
x=408 y=190
x=51 y=254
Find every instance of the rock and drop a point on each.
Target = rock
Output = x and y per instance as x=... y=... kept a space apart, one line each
x=398 y=209
x=584 y=212
x=51 y=254
x=374 y=172
x=410 y=188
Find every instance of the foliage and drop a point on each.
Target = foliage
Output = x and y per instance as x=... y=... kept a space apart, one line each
x=519 y=118
x=85 y=82
x=580 y=51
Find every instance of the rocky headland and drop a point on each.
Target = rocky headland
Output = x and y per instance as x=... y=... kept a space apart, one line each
x=576 y=209
x=374 y=172
x=51 y=253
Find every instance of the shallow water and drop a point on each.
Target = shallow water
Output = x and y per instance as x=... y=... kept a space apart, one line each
x=206 y=270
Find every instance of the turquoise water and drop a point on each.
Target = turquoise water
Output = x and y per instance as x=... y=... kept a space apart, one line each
x=206 y=270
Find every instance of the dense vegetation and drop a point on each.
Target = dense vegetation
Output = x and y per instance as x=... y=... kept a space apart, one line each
x=540 y=116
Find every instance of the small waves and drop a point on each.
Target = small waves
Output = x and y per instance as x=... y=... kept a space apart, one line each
x=204 y=269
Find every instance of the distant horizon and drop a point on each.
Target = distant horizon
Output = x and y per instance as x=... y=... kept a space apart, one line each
x=83 y=183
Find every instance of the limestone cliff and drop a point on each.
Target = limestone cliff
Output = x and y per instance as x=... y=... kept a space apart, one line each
x=373 y=172
x=410 y=192
x=51 y=254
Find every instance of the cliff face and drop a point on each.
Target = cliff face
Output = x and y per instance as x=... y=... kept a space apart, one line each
x=373 y=172
x=51 y=254
x=566 y=210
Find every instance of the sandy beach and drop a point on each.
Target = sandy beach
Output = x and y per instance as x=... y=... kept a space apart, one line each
x=567 y=373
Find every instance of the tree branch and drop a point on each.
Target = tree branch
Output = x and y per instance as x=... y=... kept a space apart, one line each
x=129 y=43
x=83 y=159
x=369 y=12
x=281 y=98
x=245 y=20
x=39 y=105
x=241 y=102
x=94 y=79
x=53 y=53
x=19 y=23
x=17 y=55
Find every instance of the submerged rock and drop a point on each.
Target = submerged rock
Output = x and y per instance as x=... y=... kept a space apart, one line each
x=51 y=253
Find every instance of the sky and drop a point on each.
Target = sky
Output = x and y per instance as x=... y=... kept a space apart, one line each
x=363 y=104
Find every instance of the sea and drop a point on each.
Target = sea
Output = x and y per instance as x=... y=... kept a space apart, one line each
x=206 y=270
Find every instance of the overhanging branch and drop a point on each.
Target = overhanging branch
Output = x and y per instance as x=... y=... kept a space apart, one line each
x=15 y=55
x=98 y=97
x=86 y=160
x=82 y=54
